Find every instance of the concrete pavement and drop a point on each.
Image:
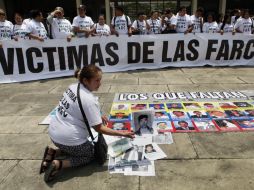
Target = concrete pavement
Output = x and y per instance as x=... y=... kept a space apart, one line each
x=195 y=161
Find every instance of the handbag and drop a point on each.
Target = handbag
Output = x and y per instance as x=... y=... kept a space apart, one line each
x=100 y=146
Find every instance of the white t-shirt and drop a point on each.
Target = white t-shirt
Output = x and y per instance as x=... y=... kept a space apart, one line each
x=227 y=28
x=120 y=24
x=103 y=30
x=20 y=31
x=26 y=21
x=141 y=26
x=61 y=28
x=37 y=28
x=183 y=23
x=155 y=26
x=244 y=25
x=196 y=24
x=211 y=27
x=68 y=126
x=82 y=23
x=6 y=29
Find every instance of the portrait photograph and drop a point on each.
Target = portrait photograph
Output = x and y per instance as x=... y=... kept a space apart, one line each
x=246 y=124
x=120 y=125
x=120 y=107
x=143 y=122
x=249 y=113
x=227 y=125
x=161 y=115
x=205 y=125
x=197 y=114
x=192 y=105
x=154 y=152
x=184 y=125
x=243 y=104
x=227 y=105
x=210 y=105
x=174 y=106
x=178 y=115
x=235 y=114
x=157 y=106
x=136 y=107
x=217 y=114
x=162 y=126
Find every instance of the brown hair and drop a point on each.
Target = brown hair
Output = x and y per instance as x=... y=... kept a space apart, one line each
x=87 y=72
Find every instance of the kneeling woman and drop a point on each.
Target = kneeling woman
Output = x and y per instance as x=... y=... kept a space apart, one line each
x=68 y=130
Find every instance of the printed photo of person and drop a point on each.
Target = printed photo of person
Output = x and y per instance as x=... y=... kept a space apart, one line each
x=119 y=116
x=119 y=126
x=249 y=113
x=157 y=106
x=242 y=104
x=149 y=149
x=226 y=124
x=183 y=125
x=138 y=107
x=162 y=126
x=205 y=125
x=210 y=105
x=143 y=122
x=192 y=105
x=135 y=153
x=217 y=114
x=227 y=105
x=247 y=124
x=120 y=107
x=178 y=115
x=176 y=106
x=235 y=113
x=161 y=115
x=198 y=114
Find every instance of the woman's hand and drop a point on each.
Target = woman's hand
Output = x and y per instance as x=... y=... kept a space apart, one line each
x=128 y=134
x=104 y=120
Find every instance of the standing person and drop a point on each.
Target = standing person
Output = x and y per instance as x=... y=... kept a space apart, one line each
x=211 y=26
x=6 y=27
x=60 y=27
x=197 y=21
x=100 y=28
x=68 y=130
x=82 y=24
x=169 y=22
x=244 y=25
x=184 y=23
x=226 y=26
x=121 y=23
x=36 y=29
x=236 y=16
x=154 y=23
x=19 y=29
x=140 y=26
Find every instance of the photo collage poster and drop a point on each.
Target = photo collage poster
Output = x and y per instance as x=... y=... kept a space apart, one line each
x=184 y=116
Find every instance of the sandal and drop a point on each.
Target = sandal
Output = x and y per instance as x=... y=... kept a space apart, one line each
x=52 y=171
x=45 y=161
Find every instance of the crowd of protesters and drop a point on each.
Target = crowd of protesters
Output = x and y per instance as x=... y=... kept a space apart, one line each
x=58 y=27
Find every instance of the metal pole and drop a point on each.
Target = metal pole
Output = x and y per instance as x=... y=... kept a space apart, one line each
x=107 y=9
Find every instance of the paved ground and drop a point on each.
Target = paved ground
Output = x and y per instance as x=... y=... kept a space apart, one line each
x=205 y=161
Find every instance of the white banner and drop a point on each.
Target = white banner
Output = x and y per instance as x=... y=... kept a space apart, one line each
x=31 y=60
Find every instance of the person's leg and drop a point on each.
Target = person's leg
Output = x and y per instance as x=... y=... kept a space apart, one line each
x=48 y=157
x=78 y=156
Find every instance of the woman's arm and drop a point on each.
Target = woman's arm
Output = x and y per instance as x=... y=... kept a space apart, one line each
x=107 y=131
